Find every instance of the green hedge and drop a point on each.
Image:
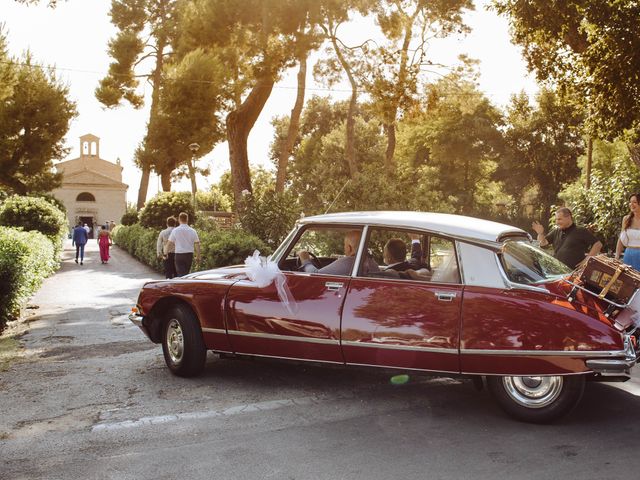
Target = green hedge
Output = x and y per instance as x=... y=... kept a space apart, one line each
x=36 y=214
x=26 y=259
x=218 y=248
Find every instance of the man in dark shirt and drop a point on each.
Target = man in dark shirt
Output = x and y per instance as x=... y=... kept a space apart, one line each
x=571 y=244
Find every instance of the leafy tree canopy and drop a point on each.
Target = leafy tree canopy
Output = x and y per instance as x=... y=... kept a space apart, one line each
x=591 y=48
x=543 y=146
x=34 y=118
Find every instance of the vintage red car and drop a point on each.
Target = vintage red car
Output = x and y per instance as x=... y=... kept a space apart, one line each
x=479 y=300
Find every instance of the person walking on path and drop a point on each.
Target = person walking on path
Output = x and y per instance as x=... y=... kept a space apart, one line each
x=185 y=242
x=164 y=252
x=104 y=241
x=572 y=245
x=79 y=239
x=629 y=239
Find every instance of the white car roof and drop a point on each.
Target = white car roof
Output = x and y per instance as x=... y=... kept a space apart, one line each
x=444 y=223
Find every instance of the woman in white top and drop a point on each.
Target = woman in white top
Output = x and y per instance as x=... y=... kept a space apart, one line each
x=630 y=234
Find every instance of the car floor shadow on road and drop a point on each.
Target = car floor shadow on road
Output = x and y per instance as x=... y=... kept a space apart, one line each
x=601 y=404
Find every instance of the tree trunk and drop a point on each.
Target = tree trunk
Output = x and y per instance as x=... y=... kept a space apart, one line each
x=165 y=180
x=634 y=150
x=239 y=124
x=589 y=162
x=294 y=123
x=349 y=143
x=156 y=79
x=389 y=163
x=144 y=186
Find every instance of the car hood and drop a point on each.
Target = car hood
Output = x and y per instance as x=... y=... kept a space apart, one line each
x=233 y=272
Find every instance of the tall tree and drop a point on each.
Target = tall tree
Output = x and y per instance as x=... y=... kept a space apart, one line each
x=305 y=41
x=34 y=118
x=347 y=59
x=257 y=42
x=544 y=144
x=591 y=49
x=394 y=68
x=190 y=99
x=457 y=134
x=145 y=31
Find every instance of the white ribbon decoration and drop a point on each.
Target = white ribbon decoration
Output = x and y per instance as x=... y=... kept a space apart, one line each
x=263 y=272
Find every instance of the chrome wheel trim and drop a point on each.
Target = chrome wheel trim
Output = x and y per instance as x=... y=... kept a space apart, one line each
x=533 y=392
x=175 y=341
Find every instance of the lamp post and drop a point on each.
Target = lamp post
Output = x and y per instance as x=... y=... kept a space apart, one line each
x=194 y=147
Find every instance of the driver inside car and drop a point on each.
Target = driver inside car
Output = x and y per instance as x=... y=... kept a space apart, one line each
x=342 y=265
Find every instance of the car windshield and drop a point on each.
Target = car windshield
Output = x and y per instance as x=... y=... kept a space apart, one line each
x=523 y=262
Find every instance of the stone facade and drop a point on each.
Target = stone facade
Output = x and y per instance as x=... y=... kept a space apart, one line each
x=92 y=188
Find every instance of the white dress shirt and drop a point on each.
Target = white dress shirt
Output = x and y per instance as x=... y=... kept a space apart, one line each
x=184 y=237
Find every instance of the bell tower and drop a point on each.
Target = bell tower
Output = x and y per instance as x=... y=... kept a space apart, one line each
x=89 y=146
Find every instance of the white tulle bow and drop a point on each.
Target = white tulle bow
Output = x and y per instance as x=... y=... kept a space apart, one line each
x=263 y=271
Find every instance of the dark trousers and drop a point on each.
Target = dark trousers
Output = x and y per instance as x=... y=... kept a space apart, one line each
x=183 y=263
x=170 y=265
x=80 y=250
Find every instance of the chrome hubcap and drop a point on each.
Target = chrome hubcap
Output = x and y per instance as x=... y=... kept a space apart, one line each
x=533 y=392
x=175 y=341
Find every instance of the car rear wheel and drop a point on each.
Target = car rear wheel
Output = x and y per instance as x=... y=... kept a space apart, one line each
x=182 y=343
x=537 y=399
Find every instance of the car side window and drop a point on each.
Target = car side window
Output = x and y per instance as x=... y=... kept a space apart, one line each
x=324 y=244
x=411 y=255
x=443 y=261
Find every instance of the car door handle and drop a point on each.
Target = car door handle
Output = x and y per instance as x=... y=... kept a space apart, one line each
x=333 y=286
x=445 y=296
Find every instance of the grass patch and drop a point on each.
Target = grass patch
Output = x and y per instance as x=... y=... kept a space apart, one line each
x=10 y=348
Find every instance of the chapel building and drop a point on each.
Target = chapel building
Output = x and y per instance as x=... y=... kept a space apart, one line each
x=92 y=188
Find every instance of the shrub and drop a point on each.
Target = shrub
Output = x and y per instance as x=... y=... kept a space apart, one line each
x=228 y=247
x=269 y=215
x=605 y=204
x=35 y=214
x=139 y=242
x=129 y=218
x=53 y=201
x=155 y=212
x=214 y=200
x=218 y=248
x=26 y=258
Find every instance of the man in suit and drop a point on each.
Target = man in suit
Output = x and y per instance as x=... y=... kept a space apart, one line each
x=79 y=239
x=395 y=253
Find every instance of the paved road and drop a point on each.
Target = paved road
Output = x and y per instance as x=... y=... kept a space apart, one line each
x=93 y=400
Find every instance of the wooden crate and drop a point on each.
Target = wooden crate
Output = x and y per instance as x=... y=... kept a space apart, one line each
x=610 y=278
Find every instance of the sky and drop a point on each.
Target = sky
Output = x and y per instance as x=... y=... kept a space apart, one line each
x=73 y=37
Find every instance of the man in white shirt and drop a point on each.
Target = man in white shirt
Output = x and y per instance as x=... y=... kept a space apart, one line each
x=164 y=252
x=185 y=241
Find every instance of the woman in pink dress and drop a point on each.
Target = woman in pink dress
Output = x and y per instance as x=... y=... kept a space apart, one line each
x=104 y=241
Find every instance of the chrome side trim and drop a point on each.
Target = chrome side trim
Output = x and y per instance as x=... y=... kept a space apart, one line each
x=547 y=353
x=349 y=364
x=273 y=336
x=214 y=330
x=526 y=375
x=386 y=346
x=289 y=358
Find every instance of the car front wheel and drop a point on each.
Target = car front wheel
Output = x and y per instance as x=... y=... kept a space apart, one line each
x=540 y=399
x=182 y=343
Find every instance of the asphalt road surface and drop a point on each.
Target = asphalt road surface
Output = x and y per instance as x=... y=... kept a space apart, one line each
x=92 y=399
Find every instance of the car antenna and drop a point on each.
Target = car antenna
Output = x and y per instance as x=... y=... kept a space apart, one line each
x=337 y=196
